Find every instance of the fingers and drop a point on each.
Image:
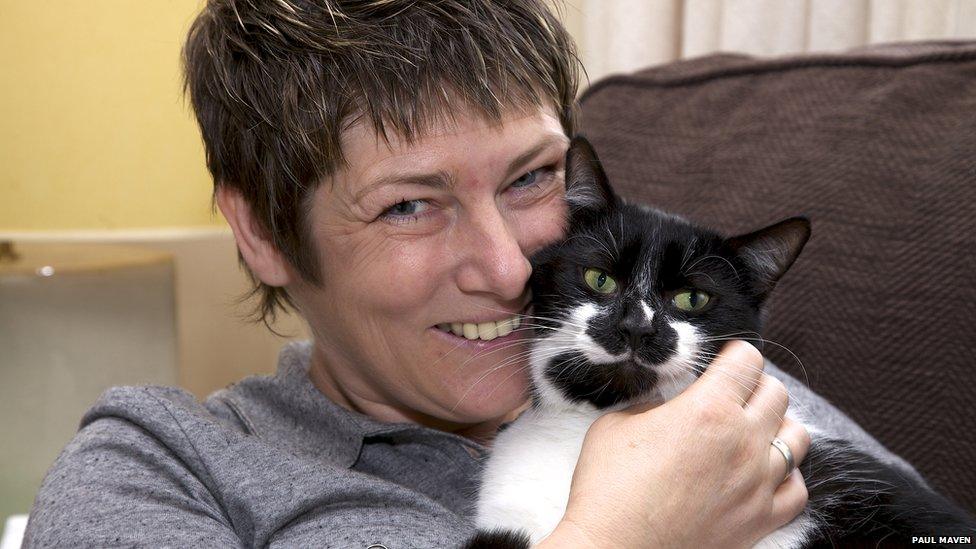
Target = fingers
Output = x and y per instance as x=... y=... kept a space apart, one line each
x=797 y=438
x=768 y=404
x=734 y=374
x=789 y=500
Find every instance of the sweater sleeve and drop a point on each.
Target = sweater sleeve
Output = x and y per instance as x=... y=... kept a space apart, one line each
x=118 y=484
x=824 y=418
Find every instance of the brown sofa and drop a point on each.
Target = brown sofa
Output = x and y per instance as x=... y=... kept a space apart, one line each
x=878 y=147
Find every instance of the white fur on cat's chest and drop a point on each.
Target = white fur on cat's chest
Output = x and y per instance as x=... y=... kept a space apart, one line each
x=526 y=482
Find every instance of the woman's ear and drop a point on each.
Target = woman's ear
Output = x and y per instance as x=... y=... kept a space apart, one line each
x=258 y=251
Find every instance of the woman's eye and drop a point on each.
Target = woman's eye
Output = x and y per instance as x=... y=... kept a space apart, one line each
x=406 y=208
x=691 y=300
x=599 y=281
x=529 y=178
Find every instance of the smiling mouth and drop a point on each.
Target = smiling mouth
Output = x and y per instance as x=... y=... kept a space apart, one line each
x=485 y=331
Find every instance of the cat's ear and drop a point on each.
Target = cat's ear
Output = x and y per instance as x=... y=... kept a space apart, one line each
x=587 y=187
x=769 y=252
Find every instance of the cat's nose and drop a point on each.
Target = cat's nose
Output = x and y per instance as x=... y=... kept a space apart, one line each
x=637 y=331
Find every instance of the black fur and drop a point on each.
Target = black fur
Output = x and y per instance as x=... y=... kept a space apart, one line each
x=498 y=539
x=855 y=498
x=653 y=256
x=861 y=500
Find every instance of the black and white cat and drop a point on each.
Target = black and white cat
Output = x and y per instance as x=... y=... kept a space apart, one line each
x=630 y=307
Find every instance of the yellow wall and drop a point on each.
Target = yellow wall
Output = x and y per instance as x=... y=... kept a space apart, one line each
x=94 y=131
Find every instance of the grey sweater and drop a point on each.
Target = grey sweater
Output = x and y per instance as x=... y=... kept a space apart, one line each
x=271 y=461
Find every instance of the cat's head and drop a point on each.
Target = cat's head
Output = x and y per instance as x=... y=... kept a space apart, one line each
x=633 y=303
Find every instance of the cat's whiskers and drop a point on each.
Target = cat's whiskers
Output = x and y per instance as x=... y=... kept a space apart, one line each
x=610 y=255
x=480 y=354
x=604 y=388
x=578 y=362
x=553 y=329
x=701 y=273
x=546 y=328
x=571 y=366
x=550 y=355
x=620 y=222
x=731 y=335
x=516 y=343
x=504 y=380
x=766 y=411
x=561 y=322
x=482 y=378
x=613 y=239
x=760 y=339
x=688 y=253
x=702 y=366
x=522 y=356
x=445 y=355
x=674 y=378
x=523 y=341
x=568 y=368
x=712 y=256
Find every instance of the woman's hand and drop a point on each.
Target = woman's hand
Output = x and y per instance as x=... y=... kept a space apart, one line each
x=697 y=471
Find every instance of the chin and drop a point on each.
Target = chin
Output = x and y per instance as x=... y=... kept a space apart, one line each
x=496 y=395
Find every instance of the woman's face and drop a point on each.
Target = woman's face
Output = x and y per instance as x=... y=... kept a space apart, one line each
x=417 y=238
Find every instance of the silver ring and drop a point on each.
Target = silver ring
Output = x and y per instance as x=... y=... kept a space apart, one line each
x=787 y=455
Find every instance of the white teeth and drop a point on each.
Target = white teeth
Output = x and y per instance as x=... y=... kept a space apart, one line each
x=488 y=331
x=485 y=331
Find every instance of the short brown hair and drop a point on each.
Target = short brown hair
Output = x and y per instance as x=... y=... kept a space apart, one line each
x=274 y=83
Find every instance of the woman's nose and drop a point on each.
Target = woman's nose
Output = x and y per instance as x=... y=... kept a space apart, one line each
x=493 y=261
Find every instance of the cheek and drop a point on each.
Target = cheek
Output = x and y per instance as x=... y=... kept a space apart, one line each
x=387 y=276
x=541 y=225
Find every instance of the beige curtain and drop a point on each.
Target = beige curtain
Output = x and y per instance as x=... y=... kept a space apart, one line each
x=625 y=35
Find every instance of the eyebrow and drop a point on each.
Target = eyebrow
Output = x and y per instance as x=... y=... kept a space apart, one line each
x=528 y=155
x=443 y=180
x=438 y=180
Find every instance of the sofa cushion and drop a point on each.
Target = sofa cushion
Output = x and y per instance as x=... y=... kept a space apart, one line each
x=878 y=148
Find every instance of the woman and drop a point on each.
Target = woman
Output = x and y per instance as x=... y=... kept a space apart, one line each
x=387 y=167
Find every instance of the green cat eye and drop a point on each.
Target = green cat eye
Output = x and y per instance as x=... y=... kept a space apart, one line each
x=691 y=300
x=599 y=281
